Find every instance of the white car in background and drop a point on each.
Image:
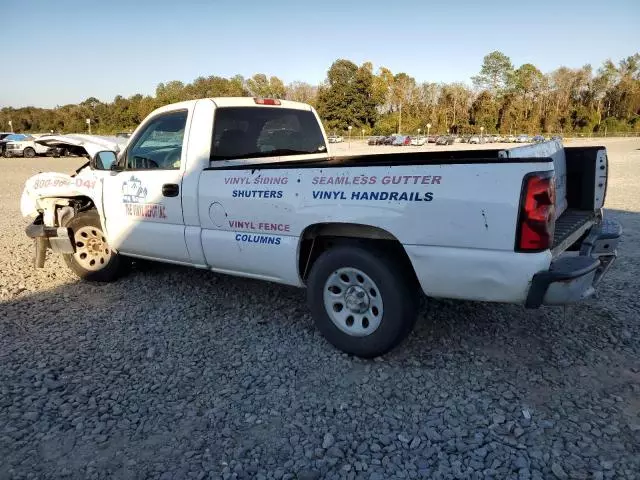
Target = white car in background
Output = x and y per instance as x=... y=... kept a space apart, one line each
x=418 y=141
x=26 y=147
x=81 y=144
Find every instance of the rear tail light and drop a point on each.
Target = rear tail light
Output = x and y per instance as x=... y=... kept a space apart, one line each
x=266 y=101
x=537 y=213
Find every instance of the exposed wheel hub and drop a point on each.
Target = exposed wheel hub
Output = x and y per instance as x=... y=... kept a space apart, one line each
x=356 y=299
x=92 y=249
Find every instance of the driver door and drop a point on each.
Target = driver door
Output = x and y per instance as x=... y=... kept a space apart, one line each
x=143 y=200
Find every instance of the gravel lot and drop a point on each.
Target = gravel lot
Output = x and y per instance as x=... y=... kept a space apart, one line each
x=179 y=373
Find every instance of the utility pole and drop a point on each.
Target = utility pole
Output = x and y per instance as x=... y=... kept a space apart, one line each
x=455 y=103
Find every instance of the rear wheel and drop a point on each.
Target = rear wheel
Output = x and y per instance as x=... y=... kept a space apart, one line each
x=29 y=152
x=363 y=301
x=93 y=260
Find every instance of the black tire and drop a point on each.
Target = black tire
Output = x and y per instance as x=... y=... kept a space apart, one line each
x=397 y=289
x=29 y=152
x=113 y=265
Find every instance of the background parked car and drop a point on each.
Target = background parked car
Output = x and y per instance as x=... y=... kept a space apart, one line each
x=401 y=140
x=524 y=138
x=4 y=138
x=24 y=146
x=474 y=139
x=418 y=141
x=538 y=139
x=335 y=139
x=556 y=137
x=444 y=140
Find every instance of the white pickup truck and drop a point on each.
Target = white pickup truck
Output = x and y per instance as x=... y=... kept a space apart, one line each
x=246 y=186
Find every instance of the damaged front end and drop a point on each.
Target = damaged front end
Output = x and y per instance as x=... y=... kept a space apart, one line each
x=51 y=200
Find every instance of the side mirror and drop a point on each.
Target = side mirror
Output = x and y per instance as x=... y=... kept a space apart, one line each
x=104 y=160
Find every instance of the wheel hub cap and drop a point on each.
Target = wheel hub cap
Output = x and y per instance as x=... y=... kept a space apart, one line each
x=353 y=302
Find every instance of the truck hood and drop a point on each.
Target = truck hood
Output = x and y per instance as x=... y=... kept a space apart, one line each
x=56 y=185
x=91 y=143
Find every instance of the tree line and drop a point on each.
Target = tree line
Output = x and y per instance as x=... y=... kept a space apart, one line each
x=502 y=98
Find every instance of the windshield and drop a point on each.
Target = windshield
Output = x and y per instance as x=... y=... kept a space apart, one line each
x=16 y=137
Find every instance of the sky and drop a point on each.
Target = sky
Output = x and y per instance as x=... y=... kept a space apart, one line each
x=68 y=50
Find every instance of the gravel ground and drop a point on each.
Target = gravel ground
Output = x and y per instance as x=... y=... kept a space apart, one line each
x=180 y=373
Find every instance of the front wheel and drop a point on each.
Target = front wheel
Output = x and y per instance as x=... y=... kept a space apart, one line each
x=363 y=301
x=93 y=260
x=29 y=152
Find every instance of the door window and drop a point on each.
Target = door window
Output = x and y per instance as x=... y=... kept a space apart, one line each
x=159 y=145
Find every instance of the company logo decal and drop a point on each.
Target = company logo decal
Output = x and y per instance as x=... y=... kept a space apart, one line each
x=134 y=199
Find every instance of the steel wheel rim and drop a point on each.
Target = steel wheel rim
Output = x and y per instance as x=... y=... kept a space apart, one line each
x=92 y=250
x=353 y=302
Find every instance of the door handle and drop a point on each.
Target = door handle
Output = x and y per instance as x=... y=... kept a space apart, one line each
x=170 y=190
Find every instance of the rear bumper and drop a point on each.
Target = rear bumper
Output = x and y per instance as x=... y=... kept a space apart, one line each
x=574 y=277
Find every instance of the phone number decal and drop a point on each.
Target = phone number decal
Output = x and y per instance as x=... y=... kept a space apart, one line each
x=64 y=182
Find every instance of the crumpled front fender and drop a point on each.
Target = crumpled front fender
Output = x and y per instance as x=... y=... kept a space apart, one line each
x=49 y=185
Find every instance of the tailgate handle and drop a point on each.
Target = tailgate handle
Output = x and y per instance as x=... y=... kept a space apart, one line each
x=170 y=190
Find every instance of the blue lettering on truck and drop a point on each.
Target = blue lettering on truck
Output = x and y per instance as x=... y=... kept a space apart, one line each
x=257 y=194
x=380 y=196
x=262 y=239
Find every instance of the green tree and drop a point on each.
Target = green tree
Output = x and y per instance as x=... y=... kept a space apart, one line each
x=495 y=73
x=346 y=97
x=261 y=86
x=484 y=112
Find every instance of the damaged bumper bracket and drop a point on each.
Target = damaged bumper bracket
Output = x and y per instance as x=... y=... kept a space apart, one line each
x=56 y=238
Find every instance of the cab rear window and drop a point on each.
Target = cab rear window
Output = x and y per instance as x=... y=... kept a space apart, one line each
x=250 y=132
